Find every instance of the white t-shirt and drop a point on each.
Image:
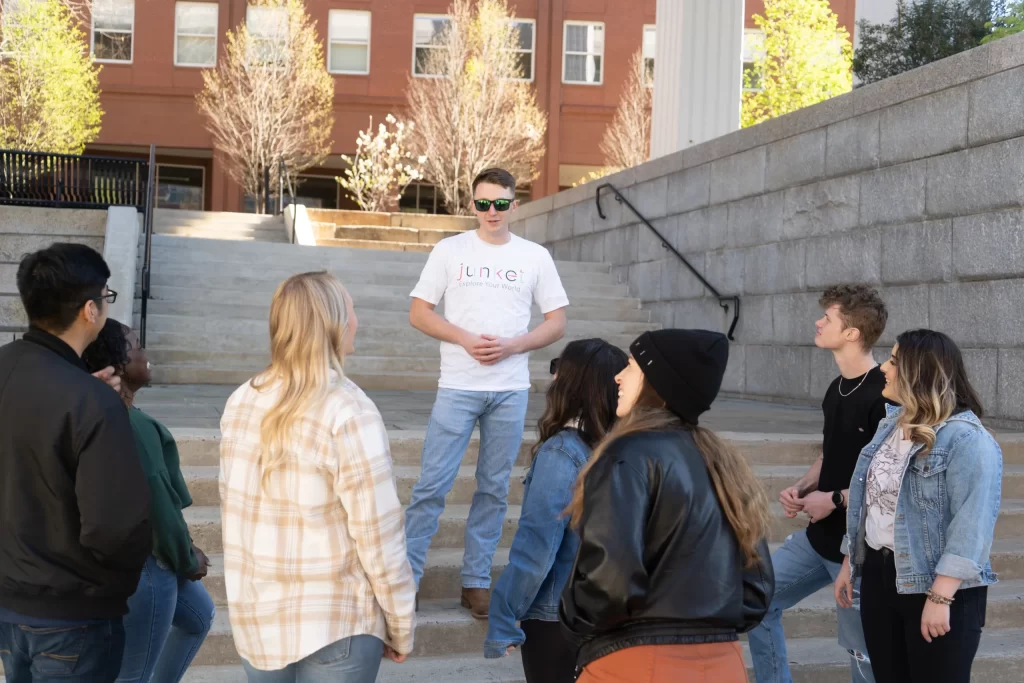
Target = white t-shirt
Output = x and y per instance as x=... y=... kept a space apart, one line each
x=488 y=289
x=885 y=476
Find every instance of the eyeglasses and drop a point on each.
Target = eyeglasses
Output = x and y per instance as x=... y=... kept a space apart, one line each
x=110 y=297
x=499 y=204
x=553 y=369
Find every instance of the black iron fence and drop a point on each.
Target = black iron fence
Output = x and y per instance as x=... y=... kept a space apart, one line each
x=84 y=182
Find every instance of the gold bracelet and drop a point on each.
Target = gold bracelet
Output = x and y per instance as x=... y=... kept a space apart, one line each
x=939 y=599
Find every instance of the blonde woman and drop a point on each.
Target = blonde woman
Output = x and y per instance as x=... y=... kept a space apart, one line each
x=318 y=583
x=672 y=563
x=923 y=506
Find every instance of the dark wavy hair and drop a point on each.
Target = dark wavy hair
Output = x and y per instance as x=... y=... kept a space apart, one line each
x=110 y=348
x=584 y=391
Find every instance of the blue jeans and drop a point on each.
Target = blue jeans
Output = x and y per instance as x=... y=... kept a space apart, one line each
x=800 y=572
x=350 y=660
x=455 y=414
x=87 y=653
x=168 y=619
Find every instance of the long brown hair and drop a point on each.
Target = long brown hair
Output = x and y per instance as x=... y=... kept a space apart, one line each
x=583 y=392
x=739 y=492
x=931 y=384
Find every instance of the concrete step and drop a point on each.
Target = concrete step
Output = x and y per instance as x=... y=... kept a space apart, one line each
x=186 y=216
x=255 y=362
x=374 y=244
x=379 y=233
x=188 y=250
x=370 y=297
x=202 y=447
x=204 y=523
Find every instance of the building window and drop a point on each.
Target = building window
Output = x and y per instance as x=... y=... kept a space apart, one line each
x=349 y=38
x=180 y=187
x=648 y=51
x=421 y=198
x=113 y=28
x=268 y=31
x=525 y=47
x=583 y=53
x=195 y=33
x=753 y=50
x=429 y=36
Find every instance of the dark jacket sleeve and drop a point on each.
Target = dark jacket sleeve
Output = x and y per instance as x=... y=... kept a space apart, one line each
x=172 y=543
x=113 y=495
x=758 y=589
x=610 y=575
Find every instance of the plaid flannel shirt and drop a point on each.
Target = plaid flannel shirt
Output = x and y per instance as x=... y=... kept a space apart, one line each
x=320 y=554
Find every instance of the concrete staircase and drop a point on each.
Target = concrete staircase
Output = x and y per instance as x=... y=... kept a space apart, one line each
x=221 y=225
x=210 y=301
x=414 y=232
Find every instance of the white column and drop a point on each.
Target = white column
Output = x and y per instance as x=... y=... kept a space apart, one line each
x=697 y=72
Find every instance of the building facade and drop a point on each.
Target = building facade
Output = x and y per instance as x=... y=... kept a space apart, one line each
x=153 y=52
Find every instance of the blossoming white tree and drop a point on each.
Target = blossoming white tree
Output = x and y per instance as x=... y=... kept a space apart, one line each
x=382 y=167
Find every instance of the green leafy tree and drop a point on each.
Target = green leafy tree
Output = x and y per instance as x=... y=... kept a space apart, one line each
x=806 y=59
x=49 y=88
x=922 y=32
x=1010 y=21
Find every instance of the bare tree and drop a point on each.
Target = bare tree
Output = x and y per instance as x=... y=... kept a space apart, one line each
x=270 y=99
x=473 y=110
x=627 y=141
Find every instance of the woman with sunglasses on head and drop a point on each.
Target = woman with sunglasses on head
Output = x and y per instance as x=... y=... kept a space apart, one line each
x=170 y=613
x=673 y=564
x=580 y=410
x=923 y=506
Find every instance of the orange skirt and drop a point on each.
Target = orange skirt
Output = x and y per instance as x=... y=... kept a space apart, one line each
x=702 y=663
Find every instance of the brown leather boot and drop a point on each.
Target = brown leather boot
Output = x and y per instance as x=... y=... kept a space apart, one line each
x=477 y=601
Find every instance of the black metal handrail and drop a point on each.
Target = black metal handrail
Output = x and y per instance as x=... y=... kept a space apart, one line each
x=723 y=301
x=80 y=181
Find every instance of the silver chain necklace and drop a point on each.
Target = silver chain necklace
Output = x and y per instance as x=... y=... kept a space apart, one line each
x=858 y=384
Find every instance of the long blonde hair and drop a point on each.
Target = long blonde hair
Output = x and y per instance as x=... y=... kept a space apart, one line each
x=309 y=318
x=931 y=384
x=739 y=492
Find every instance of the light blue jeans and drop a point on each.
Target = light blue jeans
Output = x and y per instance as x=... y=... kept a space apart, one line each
x=501 y=416
x=350 y=660
x=799 y=573
x=168 y=619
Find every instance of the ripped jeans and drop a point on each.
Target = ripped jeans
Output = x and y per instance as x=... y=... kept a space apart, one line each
x=799 y=573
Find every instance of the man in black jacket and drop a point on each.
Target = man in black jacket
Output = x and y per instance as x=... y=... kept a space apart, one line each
x=74 y=504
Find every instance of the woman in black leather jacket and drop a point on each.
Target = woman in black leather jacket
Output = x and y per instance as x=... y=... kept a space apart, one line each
x=673 y=563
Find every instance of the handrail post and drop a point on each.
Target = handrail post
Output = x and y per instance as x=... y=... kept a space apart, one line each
x=723 y=301
x=147 y=223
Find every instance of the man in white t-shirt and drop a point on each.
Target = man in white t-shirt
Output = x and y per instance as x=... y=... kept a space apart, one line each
x=489 y=279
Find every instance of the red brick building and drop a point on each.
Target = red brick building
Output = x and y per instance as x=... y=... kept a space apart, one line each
x=153 y=53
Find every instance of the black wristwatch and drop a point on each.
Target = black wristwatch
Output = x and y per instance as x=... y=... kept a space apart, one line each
x=837 y=499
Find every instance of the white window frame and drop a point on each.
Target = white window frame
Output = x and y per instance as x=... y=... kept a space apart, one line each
x=254 y=36
x=743 y=57
x=92 y=39
x=565 y=52
x=178 y=34
x=432 y=17
x=653 y=29
x=331 y=41
x=532 y=50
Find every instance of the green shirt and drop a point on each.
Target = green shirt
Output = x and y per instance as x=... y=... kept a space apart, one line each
x=172 y=543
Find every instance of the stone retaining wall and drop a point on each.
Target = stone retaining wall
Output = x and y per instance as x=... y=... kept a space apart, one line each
x=914 y=184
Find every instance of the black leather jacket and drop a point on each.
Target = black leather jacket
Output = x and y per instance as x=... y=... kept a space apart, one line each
x=658 y=562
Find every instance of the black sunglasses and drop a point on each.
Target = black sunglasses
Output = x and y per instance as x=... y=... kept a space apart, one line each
x=110 y=297
x=499 y=204
x=554 y=366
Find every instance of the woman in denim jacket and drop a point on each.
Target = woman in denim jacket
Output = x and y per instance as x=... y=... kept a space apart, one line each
x=922 y=513
x=580 y=409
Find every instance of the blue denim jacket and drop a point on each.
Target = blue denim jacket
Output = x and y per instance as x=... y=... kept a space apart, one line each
x=544 y=547
x=946 y=509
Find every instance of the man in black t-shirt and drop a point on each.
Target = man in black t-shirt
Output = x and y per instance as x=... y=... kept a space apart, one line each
x=810 y=560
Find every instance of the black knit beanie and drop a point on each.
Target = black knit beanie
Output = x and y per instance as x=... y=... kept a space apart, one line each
x=685 y=367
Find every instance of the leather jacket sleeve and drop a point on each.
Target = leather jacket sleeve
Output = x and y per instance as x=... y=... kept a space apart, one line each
x=609 y=575
x=758 y=589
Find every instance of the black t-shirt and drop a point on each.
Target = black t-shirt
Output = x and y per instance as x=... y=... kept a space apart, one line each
x=851 y=419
